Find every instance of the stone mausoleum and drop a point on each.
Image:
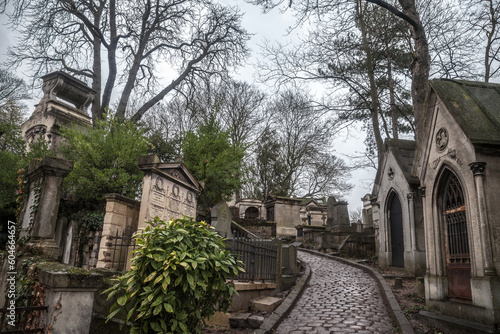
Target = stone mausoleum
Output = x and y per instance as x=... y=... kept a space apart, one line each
x=459 y=172
x=398 y=210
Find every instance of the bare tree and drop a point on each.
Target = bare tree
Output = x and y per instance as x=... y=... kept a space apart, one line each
x=406 y=10
x=359 y=49
x=12 y=88
x=123 y=47
x=293 y=156
x=484 y=18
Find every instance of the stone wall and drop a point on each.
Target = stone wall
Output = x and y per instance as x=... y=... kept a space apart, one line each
x=122 y=218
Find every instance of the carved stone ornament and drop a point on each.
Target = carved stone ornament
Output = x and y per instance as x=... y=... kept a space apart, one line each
x=442 y=139
x=390 y=173
x=189 y=197
x=175 y=191
x=159 y=186
x=477 y=168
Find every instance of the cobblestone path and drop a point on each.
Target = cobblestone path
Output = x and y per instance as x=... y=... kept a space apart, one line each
x=338 y=299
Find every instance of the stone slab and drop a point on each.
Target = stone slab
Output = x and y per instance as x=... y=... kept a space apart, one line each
x=239 y=320
x=265 y=304
x=254 y=321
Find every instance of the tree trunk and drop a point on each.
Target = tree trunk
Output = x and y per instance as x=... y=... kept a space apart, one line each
x=392 y=99
x=96 y=75
x=113 y=42
x=371 y=76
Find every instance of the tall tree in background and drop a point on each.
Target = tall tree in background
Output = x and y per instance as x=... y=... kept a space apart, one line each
x=240 y=111
x=119 y=47
x=408 y=12
x=214 y=161
x=484 y=18
x=294 y=155
x=363 y=51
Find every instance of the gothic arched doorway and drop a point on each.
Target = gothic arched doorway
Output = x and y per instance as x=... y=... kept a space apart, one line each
x=456 y=239
x=396 y=227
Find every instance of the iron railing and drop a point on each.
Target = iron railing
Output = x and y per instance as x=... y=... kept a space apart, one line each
x=260 y=258
x=121 y=245
x=28 y=320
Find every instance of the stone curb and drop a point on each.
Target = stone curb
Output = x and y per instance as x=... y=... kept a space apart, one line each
x=391 y=301
x=272 y=322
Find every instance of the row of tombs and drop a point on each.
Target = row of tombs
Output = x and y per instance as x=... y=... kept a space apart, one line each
x=435 y=204
x=433 y=210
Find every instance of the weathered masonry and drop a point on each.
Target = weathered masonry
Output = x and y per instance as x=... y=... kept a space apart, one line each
x=398 y=210
x=459 y=171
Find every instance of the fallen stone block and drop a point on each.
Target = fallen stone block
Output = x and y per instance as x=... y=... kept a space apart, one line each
x=265 y=304
x=239 y=320
x=254 y=321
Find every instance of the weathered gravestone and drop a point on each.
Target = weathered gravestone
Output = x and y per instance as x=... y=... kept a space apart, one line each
x=337 y=214
x=168 y=191
x=221 y=219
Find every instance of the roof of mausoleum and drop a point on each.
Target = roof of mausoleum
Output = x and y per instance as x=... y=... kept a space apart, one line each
x=403 y=151
x=475 y=106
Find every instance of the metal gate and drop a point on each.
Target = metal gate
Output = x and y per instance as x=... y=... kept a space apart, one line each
x=397 y=242
x=457 y=241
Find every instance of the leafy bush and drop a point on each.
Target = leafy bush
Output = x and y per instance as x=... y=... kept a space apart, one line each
x=177 y=278
x=105 y=159
x=214 y=161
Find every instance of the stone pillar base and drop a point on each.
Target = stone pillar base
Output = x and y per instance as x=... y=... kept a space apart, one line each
x=45 y=248
x=69 y=295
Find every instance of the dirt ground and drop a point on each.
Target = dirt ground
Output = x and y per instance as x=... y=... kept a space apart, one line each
x=409 y=301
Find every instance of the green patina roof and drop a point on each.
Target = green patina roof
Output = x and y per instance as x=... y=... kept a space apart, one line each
x=475 y=106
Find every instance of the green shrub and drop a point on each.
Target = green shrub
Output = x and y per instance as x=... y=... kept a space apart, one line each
x=105 y=158
x=177 y=278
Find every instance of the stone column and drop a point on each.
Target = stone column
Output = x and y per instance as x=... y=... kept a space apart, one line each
x=428 y=235
x=45 y=177
x=413 y=228
x=478 y=169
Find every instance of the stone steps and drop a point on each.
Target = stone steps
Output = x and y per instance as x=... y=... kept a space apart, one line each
x=261 y=305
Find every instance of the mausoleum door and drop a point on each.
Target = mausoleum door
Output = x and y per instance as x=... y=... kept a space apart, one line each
x=396 y=222
x=457 y=241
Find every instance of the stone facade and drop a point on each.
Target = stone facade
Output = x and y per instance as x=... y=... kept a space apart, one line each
x=313 y=212
x=459 y=171
x=121 y=218
x=285 y=212
x=169 y=190
x=41 y=206
x=64 y=103
x=399 y=219
x=250 y=208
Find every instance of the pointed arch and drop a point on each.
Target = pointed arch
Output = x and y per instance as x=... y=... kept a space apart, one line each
x=395 y=228
x=451 y=204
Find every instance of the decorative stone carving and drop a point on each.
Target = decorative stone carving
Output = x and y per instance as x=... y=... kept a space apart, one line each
x=478 y=168
x=442 y=139
x=390 y=173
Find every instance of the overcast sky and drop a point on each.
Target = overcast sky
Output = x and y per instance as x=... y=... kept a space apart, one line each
x=272 y=27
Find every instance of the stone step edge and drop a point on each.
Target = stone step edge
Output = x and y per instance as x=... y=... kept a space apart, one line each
x=390 y=299
x=272 y=322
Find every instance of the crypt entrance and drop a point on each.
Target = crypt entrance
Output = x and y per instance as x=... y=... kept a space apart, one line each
x=458 y=263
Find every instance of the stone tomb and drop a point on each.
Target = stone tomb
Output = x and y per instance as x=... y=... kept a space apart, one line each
x=169 y=190
x=459 y=172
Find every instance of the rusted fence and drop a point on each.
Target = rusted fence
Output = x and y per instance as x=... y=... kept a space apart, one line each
x=261 y=258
